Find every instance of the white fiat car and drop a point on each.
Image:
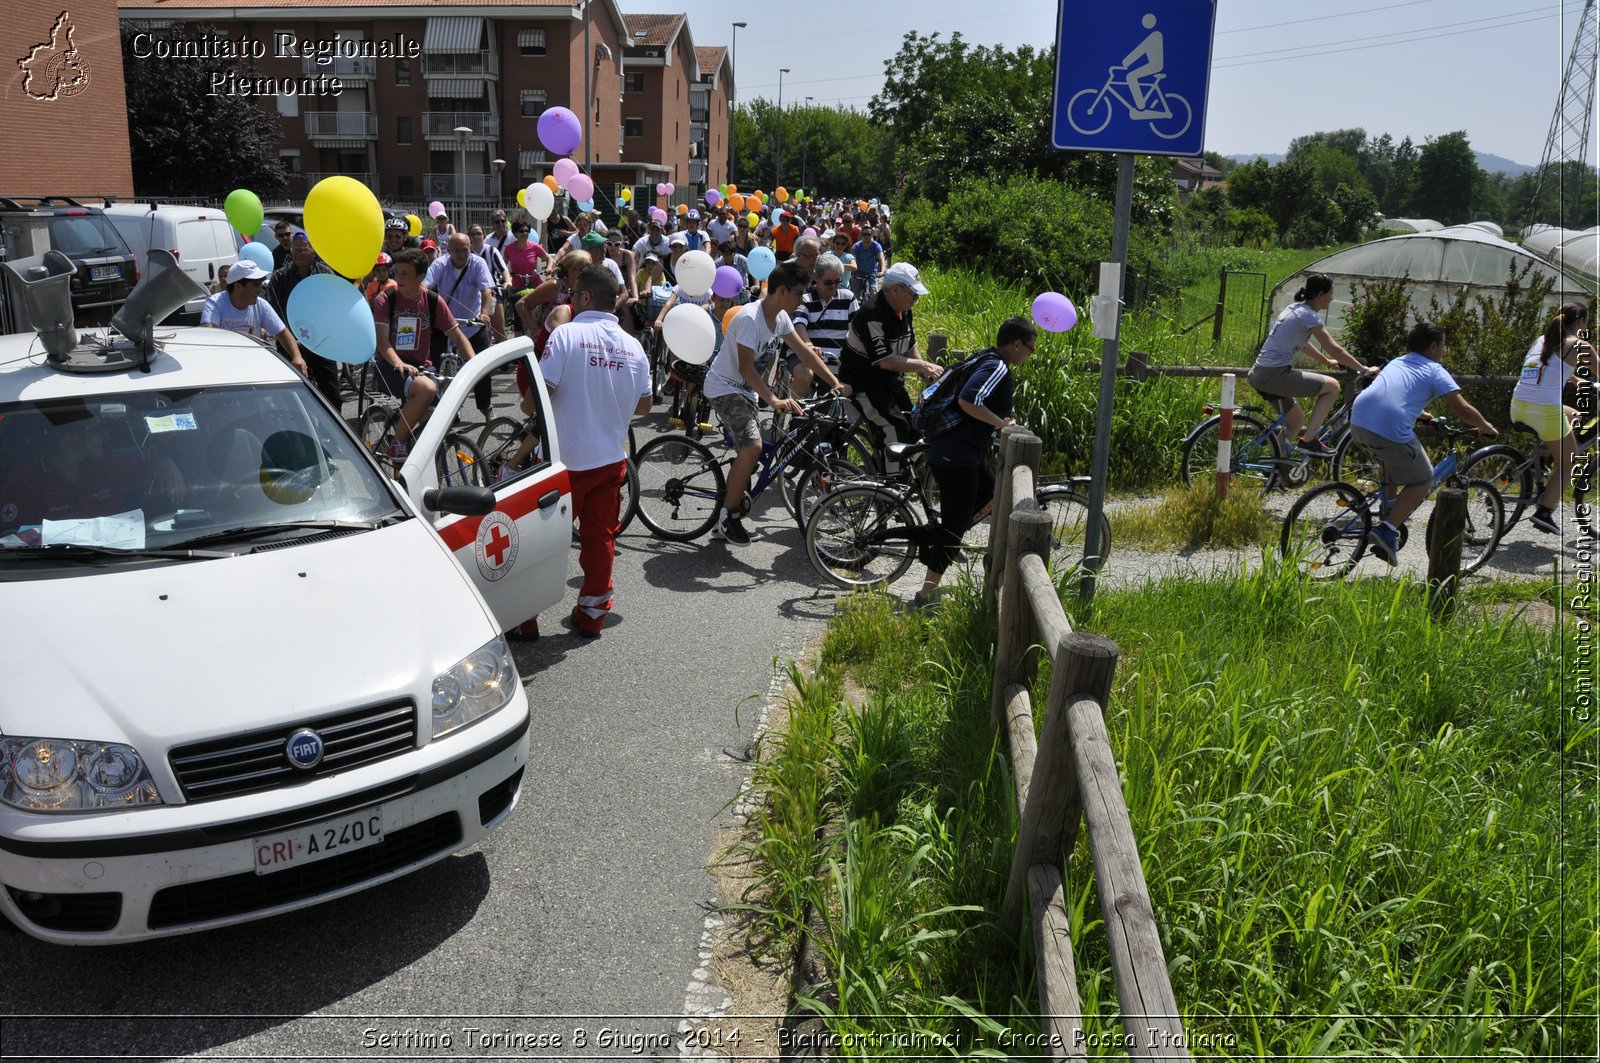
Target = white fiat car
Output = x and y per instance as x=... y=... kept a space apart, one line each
x=245 y=671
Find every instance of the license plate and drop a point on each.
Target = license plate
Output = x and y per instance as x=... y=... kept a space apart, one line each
x=105 y=273
x=307 y=845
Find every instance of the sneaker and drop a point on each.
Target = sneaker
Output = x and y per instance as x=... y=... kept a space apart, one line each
x=398 y=451
x=1544 y=520
x=1384 y=541
x=923 y=600
x=1316 y=448
x=730 y=529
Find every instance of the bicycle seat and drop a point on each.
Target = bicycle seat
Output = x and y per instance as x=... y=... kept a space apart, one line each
x=900 y=451
x=1518 y=426
x=1080 y=481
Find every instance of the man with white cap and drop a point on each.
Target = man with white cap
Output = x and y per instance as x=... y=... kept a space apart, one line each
x=882 y=345
x=239 y=308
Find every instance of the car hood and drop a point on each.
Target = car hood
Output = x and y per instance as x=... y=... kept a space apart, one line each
x=167 y=654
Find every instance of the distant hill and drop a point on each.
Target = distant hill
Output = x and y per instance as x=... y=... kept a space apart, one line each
x=1488 y=163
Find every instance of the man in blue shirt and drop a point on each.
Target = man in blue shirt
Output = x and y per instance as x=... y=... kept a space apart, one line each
x=870 y=264
x=1383 y=420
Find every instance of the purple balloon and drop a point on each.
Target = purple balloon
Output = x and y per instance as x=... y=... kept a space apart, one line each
x=727 y=282
x=580 y=187
x=713 y=197
x=1054 y=312
x=560 y=131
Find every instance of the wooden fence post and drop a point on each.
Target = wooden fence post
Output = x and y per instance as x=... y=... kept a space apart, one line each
x=1028 y=531
x=1448 y=525
x=938 y=344
x=1084 y=665
x=1010 y=458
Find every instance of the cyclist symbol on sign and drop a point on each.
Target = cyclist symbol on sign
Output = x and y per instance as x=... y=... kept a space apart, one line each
x=1136 y=85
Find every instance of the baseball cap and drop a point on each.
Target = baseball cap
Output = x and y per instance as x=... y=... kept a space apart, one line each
x=299 y=234
x=905 y=273
x=678 y=238
x=426 y=244
x=245 y=270
x=652 y=257
x=592 y=239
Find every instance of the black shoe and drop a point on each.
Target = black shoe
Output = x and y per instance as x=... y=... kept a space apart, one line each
x=730 y=530
x=527 y=631
x=1545 y=521
x=1316 y=448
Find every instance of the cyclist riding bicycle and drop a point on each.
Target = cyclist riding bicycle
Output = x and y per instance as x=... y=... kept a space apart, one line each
x=1279 y=382
x=1383 y=420
x=412 y=323
x=1553 y=360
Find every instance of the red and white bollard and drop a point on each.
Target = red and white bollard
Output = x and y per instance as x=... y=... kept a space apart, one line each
x=1225 y=436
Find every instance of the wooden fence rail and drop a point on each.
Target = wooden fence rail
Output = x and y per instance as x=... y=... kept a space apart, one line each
x=1065 y=776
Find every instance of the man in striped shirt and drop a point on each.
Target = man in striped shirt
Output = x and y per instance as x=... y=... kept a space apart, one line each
x=823 y=321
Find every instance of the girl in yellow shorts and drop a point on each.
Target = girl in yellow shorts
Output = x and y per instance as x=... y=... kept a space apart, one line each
x=1536 y=402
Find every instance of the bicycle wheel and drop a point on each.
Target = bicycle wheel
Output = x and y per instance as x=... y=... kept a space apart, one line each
x=1325 y=531
x=373 y=430
x=630 y=498
x=862 y=536
x=1069 y=527
x=1354 y=465
x=801 y=497
x=680 y=487
x=497 y=443
x=1508 y=469
x=1256 y=455
x=1480 y=536
x=461 y=463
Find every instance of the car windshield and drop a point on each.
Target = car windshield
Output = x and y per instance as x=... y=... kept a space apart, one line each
x=160 y=469
x=85 y=235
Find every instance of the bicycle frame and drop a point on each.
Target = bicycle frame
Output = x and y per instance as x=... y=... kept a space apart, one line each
x=1155 y=96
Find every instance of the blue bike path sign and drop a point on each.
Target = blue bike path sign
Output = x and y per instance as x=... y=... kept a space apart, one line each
x=1132 y=76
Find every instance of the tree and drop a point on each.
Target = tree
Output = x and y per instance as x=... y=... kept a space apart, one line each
x=187 y=140
x=1447 y=180
x=840 y=150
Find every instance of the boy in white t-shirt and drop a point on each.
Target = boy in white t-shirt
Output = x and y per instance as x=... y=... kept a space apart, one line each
x=736 y=381
x=240 y=308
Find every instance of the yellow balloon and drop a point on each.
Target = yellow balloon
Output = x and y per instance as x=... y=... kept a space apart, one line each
x=755 y=219
x=522 y=197
x=627 y=194
x=413 y=225
x=345 y=224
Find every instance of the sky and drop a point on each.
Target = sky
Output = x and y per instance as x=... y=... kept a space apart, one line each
x=1417 y=68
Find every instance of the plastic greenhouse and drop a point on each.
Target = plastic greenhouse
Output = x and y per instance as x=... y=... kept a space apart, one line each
x=1576 y=251
x=1409 y=225
x=1440 y=263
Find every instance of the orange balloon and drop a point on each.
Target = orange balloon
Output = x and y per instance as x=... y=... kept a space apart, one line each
x=862 y=205
x=732 y=188
x=683 y=208
x=782 y=193
x=736 y=201
x=550 y=183
x=727 y=318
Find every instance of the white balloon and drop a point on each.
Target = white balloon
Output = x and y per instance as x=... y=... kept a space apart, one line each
x=541 y=201
x=689 y=331
x=697 y=271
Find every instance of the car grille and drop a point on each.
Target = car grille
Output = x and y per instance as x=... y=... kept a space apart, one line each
x=251 y=763
x=221 y=898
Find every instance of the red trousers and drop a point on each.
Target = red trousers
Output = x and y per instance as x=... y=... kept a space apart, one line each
x=597 y=508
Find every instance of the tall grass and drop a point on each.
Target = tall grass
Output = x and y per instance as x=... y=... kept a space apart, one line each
x=1365 y=833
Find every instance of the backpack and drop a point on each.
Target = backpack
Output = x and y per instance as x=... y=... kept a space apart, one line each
x=938 y=410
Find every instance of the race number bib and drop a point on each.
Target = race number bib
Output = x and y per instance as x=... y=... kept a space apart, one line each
x=405 y=332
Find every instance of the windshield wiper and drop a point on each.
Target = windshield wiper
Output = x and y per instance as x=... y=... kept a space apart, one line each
x=85 y=552
x=254 y=531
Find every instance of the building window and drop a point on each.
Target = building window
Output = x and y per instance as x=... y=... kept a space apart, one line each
x=406 y=186
x=530 y=42
x=402 y=129
x=677 y=88
x=633 y=82
x=352 y=162
x=533 y=102
x=633 y=127
x=290 y=157
x=402 y=71
x=289 y=106
x=677 y=131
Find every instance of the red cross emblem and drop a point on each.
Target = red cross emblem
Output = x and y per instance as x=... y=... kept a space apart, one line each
x=497 y=544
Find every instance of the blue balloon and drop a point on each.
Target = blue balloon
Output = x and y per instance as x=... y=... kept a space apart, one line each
x=329 y=315
x=258 y=253
x=586 y=206
x=760 y=262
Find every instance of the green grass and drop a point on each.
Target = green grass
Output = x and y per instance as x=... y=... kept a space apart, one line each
x=1193 y=517
x=1365 y=833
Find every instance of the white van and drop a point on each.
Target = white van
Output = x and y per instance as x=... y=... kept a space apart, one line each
x=200 y=238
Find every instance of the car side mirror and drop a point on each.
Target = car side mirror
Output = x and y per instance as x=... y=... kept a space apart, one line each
x=463 y=500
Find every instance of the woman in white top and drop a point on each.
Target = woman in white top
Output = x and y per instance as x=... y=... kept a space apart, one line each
x=1276 y=378
x=1536 y=401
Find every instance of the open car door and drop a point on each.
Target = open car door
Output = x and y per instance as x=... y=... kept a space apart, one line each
x=517 y=554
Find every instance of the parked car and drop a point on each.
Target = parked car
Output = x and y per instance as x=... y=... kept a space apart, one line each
x=106 y=268
x=201 y=239
x=246 y=672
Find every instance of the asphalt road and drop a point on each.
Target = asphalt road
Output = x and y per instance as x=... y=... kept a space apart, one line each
x=588 y=904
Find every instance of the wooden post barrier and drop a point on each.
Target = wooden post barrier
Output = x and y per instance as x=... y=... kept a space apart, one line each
x=1059 y=1002
x=1449 y=525
x=1029 y=454
x=1029 y=531
x=1048 y=829
x=938 y=345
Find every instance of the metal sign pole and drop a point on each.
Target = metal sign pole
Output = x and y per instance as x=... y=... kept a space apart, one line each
x=1108 y=383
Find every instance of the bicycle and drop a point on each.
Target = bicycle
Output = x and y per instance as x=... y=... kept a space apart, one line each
x=1259 y=452
x=1522 y=474
x=503 y=437
x=459 y=461
x=682 y=483
x=1089 y=110
x=1325 y=531
x=865 y=534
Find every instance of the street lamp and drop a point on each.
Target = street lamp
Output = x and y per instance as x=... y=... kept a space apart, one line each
x=805 y=149
x=499 y=165
x=777 y=165
x=462 y=133
x=733 y=97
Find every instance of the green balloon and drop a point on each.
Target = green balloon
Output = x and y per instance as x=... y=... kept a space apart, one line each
x=243 y=209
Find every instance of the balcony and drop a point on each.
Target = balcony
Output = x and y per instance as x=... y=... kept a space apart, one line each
x=441 y=125
x=368 y=179
x=341 y=125
x=699 y=114
x=447 y=185
x=345 y=68
x=461 y=65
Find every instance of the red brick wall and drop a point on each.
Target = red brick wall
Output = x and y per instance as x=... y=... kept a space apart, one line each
x=78 y=141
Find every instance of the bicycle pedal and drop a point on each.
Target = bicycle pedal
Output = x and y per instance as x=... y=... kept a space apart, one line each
x=675 y=422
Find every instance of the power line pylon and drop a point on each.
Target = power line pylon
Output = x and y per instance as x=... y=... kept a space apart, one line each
x=1569 y=126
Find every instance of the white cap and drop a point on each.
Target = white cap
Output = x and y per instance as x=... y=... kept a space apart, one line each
x=905 y=273
x=245 y=270
x=678 y=238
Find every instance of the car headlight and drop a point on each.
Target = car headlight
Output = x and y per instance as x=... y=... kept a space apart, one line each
x=64 y=775
x=473 y=687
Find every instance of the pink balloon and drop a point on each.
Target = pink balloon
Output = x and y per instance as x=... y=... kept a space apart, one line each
x=1054 y=312
x=671 y=188
x=560 y=131
x=580 y=187
x=659 y=215
x=727 y=282
x=661 y=188
x=435 y=209
x=563 y=171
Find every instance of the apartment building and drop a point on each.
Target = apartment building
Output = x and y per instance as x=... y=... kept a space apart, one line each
x=658 y=72
x=709 y=120
x=436 y=101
